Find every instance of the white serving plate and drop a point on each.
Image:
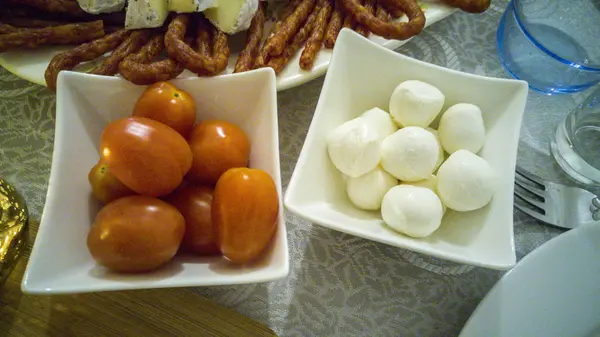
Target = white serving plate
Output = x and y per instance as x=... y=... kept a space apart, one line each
x=31 y=65
x=553 y=291
x=60 y=261
x=363 y=75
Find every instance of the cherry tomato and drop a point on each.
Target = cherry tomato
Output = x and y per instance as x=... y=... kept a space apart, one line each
x=216 y=147
x=136 y=234
x=147 y=156
x=167 y=104
x=244 y=211
x=194 y=203
x=105 y=186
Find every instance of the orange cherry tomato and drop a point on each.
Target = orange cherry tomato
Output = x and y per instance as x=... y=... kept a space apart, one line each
x=147 y=156
x=105 y=186
x=216 y=147
x=194 y=203
x=136 y=234
x=168 y=104
x=244 y=211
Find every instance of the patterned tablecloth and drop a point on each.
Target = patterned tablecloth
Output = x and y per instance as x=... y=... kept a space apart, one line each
x=338 y=284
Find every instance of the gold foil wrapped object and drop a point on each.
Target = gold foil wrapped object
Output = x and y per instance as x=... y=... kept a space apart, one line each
x=13 y=224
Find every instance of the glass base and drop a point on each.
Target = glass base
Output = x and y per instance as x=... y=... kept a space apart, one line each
x=570 y=161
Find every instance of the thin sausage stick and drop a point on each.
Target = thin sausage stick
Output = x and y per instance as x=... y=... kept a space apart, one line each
x=314 y=42
x=335 y=25
x=291 y=25
x=248 y=55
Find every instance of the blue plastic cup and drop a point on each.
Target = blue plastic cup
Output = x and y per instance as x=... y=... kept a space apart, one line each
x=554 y=45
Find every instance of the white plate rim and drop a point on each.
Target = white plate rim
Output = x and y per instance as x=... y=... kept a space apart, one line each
x=528 y=262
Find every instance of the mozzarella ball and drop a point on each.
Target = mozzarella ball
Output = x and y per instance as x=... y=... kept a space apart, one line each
x=367 y=191
x=414 y=211
x=354 y=148
x=416 y=103
x=465 y=181
x=441 y=157
x=430 y=183
x=410 y=154
x=461 y=128
x=380 y=121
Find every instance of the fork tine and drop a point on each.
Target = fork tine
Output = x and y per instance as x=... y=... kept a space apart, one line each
x=522 y=205
x=528 y=196
x=528 y=185
x=596 y=202
x=532 y=177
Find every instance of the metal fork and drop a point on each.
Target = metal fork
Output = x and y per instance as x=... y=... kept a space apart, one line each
x=553 y=203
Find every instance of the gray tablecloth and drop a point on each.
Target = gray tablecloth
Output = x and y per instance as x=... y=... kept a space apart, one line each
x=338 y=285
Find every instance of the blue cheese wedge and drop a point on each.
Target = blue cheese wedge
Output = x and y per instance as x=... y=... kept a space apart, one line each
x=146 y=14
x=101 y=6
x=232 y=16
x=190 y=6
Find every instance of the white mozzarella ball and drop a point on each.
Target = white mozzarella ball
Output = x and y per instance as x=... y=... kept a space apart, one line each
x=441 y=156
x=465 y=181
x=367 y=191
x=354 y=148
x=461 y=128
x=416 y=103
x=414 y=211
x=430 y=183
x=410 y=154
x=380 y=121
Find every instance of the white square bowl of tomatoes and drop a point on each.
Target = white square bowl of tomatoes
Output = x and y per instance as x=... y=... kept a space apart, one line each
x=172 y=185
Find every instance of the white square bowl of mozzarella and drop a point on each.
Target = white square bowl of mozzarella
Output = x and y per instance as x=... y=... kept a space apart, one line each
x=412 y=155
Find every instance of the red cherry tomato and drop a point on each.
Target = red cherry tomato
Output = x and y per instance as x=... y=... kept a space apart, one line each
x=105 y=186
x=136 y=234
x=216 y=147
x=244 y=211
x=147 y=156
x=194 y=203
x=165 y=103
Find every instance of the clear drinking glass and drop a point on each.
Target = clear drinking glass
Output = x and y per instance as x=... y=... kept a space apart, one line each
x=554 y=45
x=576 y=146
